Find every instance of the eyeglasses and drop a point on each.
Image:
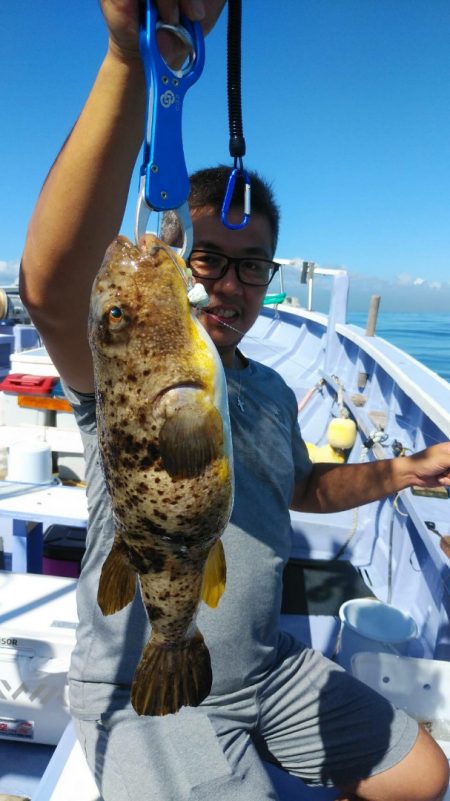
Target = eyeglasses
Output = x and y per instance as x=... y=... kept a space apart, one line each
x=206 y=264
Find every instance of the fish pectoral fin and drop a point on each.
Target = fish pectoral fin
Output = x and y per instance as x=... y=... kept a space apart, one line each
x=214 y=575
x=117 y=584
x=190 y=439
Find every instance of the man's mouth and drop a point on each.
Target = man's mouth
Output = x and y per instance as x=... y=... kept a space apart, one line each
x=222 y=313
x=224 y=317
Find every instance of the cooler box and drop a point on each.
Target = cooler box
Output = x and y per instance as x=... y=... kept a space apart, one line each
x=37 y=634
x=21 y=384
x=34 y=361
x=63 y=550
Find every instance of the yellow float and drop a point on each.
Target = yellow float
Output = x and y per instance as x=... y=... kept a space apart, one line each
x=341 y=436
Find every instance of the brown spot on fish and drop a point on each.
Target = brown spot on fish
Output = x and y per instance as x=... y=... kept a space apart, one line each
x=151 y=527
x=151 y=456
x=154 y=612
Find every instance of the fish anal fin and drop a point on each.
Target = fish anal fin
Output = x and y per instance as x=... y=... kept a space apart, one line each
x=214 y=575
x=117 y=584
x=190 y=439
x=168 y=677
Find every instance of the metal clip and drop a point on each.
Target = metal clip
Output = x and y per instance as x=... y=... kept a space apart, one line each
x=237 y=172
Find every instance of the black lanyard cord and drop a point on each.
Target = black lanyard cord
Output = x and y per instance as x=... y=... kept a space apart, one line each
x=237 y=141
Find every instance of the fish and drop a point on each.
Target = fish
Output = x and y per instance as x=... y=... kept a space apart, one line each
x=165 y=448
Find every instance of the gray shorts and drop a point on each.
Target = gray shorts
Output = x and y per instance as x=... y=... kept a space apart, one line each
x=309 y=717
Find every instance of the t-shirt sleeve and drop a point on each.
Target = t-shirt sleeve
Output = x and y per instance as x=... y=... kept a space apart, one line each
x=302 y=462
x=84 y=409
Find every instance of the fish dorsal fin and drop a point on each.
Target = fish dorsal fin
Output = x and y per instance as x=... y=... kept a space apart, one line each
x=214 y=575
x=190 y=439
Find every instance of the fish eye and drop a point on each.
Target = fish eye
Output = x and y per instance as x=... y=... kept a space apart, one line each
x=115 y=314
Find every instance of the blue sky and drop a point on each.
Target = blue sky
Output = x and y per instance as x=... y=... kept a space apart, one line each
x=346 y=108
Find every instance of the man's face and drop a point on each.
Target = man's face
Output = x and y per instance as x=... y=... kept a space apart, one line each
x=231 y=303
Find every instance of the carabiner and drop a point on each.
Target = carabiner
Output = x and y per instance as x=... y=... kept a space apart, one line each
x=237 y=172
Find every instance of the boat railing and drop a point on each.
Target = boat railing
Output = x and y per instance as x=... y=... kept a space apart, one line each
x=307 y=272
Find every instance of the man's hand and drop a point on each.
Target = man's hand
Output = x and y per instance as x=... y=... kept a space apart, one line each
x=431 y=467
x=121 y=17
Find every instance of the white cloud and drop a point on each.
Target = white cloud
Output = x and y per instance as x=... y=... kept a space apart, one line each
x=404 y=279
x=404 y=292
x=9 y=271
x=408 y=280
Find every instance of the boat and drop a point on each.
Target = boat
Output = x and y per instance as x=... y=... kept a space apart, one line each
x=368 y=587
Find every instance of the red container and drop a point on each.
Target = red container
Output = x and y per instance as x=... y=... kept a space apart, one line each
x=24 y=384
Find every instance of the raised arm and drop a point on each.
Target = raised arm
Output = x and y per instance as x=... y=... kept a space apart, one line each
x=82 y=202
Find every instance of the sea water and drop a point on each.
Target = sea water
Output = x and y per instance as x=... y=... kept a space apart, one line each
x=425 y=336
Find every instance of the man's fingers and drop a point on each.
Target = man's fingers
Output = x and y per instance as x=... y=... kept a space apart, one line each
x=169 y=11
x=193 y=9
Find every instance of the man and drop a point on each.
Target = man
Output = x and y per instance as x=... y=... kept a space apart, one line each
x=313 y=718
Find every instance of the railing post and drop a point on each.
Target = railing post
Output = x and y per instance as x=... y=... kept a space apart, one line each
x=373 y=315
x=337 y=314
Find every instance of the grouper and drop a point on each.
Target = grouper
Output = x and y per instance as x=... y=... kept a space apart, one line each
x=165 y=447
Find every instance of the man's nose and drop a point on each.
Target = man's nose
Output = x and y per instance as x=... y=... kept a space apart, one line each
x=230 y=281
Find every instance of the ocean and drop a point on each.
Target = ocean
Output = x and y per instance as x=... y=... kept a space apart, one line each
x=425 y=336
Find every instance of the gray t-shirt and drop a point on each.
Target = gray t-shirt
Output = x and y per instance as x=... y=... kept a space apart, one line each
x=242 y=633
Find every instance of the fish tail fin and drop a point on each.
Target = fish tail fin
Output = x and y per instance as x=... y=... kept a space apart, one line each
x=117 y=584
x=168 y=678
x=214 y=575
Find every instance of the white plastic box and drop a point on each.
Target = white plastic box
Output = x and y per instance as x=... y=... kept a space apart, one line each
x=37 y=634
x=34 y=361
x=14 y=415
x=419 y=686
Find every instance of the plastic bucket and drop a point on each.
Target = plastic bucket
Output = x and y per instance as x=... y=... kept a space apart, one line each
x=30 y=463
x=370 y=625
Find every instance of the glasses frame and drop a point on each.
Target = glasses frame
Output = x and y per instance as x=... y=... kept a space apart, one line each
x=236 y=262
